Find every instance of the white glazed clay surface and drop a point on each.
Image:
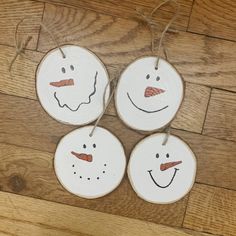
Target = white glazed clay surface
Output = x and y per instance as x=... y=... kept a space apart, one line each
x=71 y=89
x=90 y=167
x=162 y=173
x=147 y=98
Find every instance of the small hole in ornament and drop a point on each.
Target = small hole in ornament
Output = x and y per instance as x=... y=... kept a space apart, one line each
x=80 y=177
x=158 y=78
x=157 y=155
x=156 y=68
x=73 y=165
x=167 y=155
x=94 y=145
x=104 y=172
x=74 y=173
x=72 y=67
x=97 y=177
x=88 y=178
x=84 y=146
x=148 y=76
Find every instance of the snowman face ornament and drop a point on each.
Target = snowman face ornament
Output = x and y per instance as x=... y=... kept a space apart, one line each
x=148 y=98
x=71 y=89
x=162 y=173
x=90 y=167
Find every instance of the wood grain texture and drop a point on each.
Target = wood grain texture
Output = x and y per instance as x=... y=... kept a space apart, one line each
x=119 y=41
x=214 y=17
x=212 y=210
x=30 y=172
x=216 y=159
x=20 y=216
x=28 y=125
x=11 y=12
x=220 y=120
x=126 y=9
x=191 y=115
x=21 y=82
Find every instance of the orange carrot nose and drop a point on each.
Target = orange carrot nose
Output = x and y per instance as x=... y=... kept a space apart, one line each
x=83 y=156
x=62 y=83
x=168 y=165
x=152 y=91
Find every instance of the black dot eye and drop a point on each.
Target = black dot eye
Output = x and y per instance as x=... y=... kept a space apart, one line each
x=158 y=78
x=63 y=70
x=148 y=76
x=94 y=145
x=84 y=146
x=167 y=155
x=157 y=155
x=72 y=67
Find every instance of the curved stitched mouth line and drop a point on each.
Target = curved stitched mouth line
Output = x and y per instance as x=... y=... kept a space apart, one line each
x=158 y=185
x=82 y=103
x=143 y=109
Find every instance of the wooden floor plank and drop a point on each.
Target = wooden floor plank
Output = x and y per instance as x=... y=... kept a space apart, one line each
x=21 y=82
x=24 y=123
x=11 y=12
x=22 y=216
x=118 y=42
x=30 y=172
x=214 y=17
x=220 y=120
x=126 y=8
x=212 y=210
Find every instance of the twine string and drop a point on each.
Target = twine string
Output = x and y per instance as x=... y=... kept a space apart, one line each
x=167 y=135
x=105 y=104
x=53 y=39
x=151 y=24
x=167 y=26
x=20 y=47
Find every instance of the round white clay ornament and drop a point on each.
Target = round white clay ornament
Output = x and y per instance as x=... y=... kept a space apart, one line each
x=90 y=167
x=71 y=89
x=148 y=98
x=160 y=173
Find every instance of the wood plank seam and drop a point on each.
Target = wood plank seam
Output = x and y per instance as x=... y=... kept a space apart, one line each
x=212 y=185
x=190 y=15
x=40 y=224
x=208 y=103
x=185 y=210
x=210 y=36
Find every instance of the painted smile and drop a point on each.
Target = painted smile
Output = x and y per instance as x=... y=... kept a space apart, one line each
x=141 y=109
x=88 y=158
x=160 y=186
x=82 y=103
